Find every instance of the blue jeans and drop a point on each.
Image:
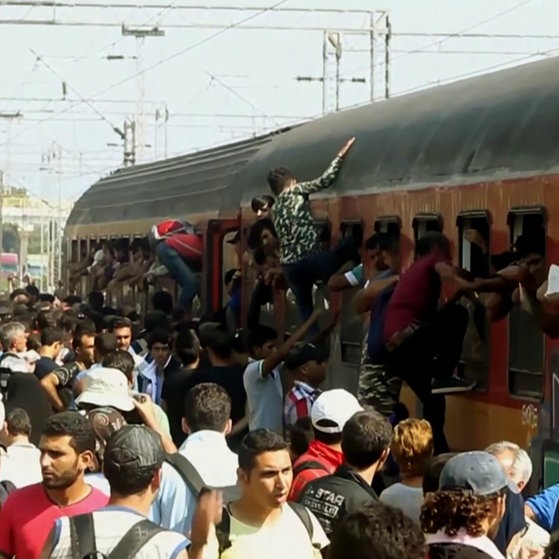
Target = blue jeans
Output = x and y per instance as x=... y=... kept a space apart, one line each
x=180 y=272
x=304 y=274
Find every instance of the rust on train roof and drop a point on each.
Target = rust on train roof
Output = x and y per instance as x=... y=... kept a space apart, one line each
x=489 y=127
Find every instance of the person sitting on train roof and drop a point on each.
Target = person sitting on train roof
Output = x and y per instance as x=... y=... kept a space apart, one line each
x=425 y=344
x=179 y=248
x=261 y=205
x=302 y=259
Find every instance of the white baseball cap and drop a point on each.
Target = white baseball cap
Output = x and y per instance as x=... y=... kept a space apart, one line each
x=106 y=387
x=336 y=405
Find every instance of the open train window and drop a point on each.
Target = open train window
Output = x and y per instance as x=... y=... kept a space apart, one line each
x=351 y=228
x=392 y=225
x=422 y=223
x=324 y=229
x=473 y=245
x=526 y=350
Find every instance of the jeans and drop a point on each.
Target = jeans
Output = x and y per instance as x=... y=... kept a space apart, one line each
x=180 y=272
x=304 y=274
x=432 y=351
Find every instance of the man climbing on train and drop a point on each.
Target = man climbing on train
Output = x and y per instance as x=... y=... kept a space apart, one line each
x=303 y=260
x=179 y=248
x=424 y=341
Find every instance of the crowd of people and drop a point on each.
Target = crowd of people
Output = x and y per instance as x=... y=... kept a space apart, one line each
x=163 y=436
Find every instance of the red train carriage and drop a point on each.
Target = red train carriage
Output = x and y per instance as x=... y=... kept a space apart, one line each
x=481 y=153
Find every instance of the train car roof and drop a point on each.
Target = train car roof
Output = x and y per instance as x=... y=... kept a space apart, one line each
x=491 y=127
x=495 y=126
x=189 y=184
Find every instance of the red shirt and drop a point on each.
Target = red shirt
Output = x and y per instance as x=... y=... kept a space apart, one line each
x=317 y=452
x=28 y=516
x=416 y=296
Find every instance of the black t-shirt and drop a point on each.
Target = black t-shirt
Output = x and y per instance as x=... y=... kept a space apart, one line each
x=25 y=392
x=231 y=379
x=513 y=521
x=175 y=388
x=44 y=366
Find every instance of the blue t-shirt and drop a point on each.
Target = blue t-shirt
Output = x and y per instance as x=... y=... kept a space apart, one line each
x=375 y=337
x=544 y=505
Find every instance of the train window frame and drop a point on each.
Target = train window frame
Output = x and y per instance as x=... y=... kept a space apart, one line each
x=467 y=220
x=421 y=221
x=351 y=224
x=384 y=224
x=515 y=375
x=319 y=223
x=464 y=246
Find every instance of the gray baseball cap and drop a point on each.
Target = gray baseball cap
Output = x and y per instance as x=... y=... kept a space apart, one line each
x=134 y=447
x=478 y=472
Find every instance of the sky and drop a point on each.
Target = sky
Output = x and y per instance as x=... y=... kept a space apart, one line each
x=223 y=83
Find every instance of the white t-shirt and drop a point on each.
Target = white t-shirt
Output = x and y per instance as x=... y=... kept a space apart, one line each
x=287 y=538
x=21 y=465
x=111 y=523
x=409 y=499
x=265 y=398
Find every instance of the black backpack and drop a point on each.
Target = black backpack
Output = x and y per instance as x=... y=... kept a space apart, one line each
x=5 y=374
x=6 y=487
x=84 y=545
x=223 y=529
x=193 y=479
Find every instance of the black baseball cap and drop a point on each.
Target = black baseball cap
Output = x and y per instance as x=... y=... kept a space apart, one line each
x=303 y=353
x=132 y=448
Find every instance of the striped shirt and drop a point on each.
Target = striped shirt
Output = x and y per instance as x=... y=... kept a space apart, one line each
x=298 y=402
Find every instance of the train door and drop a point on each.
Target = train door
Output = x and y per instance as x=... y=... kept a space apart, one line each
x=221 y=254
x=474 y=231
x=526 y=342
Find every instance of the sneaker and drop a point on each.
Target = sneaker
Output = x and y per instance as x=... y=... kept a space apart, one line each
x=452 y=385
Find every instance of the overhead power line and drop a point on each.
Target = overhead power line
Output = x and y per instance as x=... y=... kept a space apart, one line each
x=161 y=62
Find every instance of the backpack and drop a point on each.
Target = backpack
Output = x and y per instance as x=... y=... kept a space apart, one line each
x=309 y=465
x=194 y=481
x=6 y=487
x=223 y=529
x=168 y=228
x=83 y=543
x=375 y=335
x=5 y=374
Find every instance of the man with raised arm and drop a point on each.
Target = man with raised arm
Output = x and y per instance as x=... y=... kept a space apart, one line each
x=302 y=258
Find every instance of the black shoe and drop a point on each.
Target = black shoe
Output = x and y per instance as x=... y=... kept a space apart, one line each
x=452 y=385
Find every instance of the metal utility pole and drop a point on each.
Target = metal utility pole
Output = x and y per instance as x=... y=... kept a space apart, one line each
x=140 y=34
x=161 y=121
x=130 y=144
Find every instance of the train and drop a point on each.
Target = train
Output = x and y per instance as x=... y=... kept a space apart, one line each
x=481 y=153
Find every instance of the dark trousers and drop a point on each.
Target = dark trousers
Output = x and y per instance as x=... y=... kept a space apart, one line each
x=432 y=351
x=304 y=274
x=261 y=295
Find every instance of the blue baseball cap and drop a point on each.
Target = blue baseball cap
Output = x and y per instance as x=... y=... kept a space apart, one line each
x=478 y=472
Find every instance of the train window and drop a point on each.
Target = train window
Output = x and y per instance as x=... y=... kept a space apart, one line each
x=473 y=246
x=423 y=223
x=351 y=228
x=526 y=341
x=389 y=224
x=324 y=230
